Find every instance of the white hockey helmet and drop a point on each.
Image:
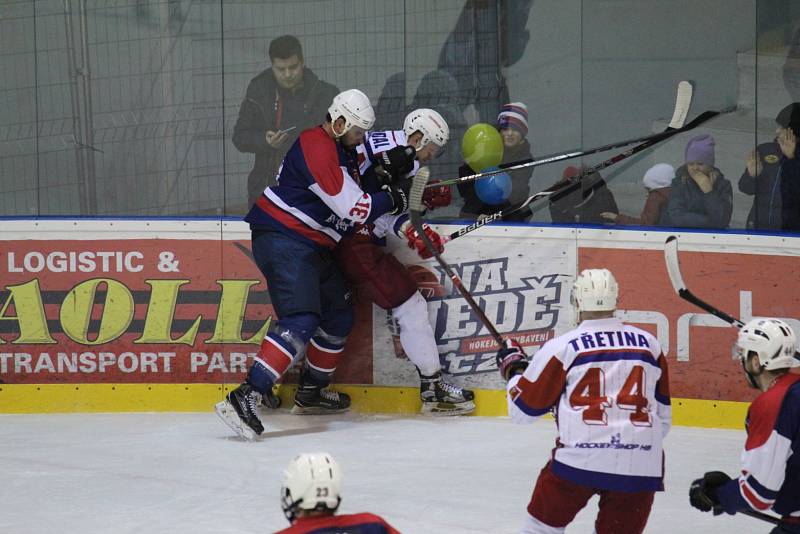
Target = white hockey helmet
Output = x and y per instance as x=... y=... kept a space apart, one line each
x=771 y=339
x=356 y=109
x=432 y=125
x=312 y=481
x=595 y=290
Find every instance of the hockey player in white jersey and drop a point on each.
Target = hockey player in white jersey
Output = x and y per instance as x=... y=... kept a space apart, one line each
x=379 y=276
x=770 y=473
x=607 y=385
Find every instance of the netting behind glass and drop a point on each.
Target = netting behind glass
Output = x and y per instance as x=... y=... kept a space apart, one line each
x=127 y=107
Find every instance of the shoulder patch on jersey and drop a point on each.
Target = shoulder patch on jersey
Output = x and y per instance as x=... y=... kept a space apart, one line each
x=321 y=155
x=764 y=411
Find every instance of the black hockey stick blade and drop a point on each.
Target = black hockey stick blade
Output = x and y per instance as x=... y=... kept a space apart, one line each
x=676 y=279
x=415 y=215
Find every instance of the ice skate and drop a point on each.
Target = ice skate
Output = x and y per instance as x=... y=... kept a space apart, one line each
x=315 y=400
x=238 y=411
x=443 y=398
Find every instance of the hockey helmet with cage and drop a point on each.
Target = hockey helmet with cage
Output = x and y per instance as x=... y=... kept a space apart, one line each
x=594 y=290
x=428 y=122
x=356 y=109
x=311 y=481
x=771 y=339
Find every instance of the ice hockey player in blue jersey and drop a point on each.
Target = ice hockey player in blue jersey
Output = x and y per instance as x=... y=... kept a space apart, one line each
x=311 y=494
x=295 y=225
x=770 y=474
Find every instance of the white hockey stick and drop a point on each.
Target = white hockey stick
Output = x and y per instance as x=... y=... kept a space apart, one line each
x=674 y=271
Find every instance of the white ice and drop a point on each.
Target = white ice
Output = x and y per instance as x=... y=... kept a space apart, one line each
x=186 y=473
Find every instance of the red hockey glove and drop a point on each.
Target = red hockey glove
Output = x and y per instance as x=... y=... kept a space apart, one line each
x=437 y=197
x=415 y=241
x=511 y=359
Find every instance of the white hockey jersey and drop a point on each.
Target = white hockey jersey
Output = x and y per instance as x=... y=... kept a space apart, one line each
x=608 y=385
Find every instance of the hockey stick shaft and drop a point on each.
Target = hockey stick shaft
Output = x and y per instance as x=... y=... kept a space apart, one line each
x=571 y=186
x=676 y=279
x=762 y=516
x=553 y=158
x=415 y=215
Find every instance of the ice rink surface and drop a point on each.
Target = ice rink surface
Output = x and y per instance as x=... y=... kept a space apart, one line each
x=186 y=473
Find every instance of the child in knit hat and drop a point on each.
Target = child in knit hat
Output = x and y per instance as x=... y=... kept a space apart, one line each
x=512 y=122
x=657 y=181
x=701 y=197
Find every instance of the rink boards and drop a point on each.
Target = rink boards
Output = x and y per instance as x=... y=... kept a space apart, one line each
x=152 y=315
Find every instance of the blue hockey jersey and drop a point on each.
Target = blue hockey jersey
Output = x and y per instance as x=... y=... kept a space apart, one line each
x=317 y=198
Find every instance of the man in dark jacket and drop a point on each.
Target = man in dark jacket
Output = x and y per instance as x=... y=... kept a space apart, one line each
x=280 y=102
x=772 y=173
x=760 y=179
x=788 y=125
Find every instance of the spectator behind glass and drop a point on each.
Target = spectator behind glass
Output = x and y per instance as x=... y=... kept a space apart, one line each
x=770 y=167
x=701 y=197
x=582 y=202
x=512 y=122
x=657 y=181
x=280 y=102
x=788 y=124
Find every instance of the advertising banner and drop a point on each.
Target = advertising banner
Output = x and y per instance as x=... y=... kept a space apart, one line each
x=745 y=276
x=173 y=302
x=521 y=282
x=522 y=277
x=129 y=302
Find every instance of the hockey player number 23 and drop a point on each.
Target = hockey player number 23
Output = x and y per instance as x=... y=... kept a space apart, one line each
x=589 y=393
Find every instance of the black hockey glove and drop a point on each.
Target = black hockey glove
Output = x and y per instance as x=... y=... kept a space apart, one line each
x=394 y=164
x=703 y=492
x=399 y=193
x=511 y=359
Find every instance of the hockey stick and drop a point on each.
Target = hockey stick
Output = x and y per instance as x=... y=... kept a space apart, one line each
x=415 y=215
x=761 y=515
x=676 y=279
x=683 y=101
x=674 y=271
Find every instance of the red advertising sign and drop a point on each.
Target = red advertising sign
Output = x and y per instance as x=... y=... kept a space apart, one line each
x=138 y=311
x=744 y=285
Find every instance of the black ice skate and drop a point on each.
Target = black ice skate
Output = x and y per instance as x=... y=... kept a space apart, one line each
x=443 y=398
x=238 y=411
x=311 y=399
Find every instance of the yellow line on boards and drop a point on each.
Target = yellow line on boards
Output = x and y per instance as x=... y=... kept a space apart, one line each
x=71 y=398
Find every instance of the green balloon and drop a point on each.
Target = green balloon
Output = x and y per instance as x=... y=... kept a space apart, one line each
x=482 y=146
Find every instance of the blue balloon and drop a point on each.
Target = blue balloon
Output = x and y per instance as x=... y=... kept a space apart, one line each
x=495 y=189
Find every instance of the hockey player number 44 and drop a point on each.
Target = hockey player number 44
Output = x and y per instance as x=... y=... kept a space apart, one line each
x=589 y=394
